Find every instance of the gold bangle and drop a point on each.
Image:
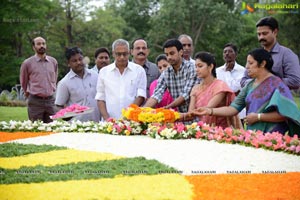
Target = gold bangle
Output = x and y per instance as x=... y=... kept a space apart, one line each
x=258 y=116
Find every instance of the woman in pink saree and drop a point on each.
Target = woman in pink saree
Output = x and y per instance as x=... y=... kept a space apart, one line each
x=211 y=92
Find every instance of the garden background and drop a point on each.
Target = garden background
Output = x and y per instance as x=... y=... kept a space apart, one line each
x=66 y=23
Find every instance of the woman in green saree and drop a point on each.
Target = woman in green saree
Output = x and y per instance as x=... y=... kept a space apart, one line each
x=269 y=102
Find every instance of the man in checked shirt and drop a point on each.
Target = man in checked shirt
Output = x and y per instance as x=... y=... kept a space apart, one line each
x=179 y=78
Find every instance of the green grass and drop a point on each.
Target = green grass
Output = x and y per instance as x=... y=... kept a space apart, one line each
x=76 y=171
x=16 y=149
x=13 y=113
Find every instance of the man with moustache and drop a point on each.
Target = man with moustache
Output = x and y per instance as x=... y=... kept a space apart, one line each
x=140 y=54
x=38 y=77
x=178 y=79
x=286 y=62
x=231 y=72
x=78 y=86
x=102 y=59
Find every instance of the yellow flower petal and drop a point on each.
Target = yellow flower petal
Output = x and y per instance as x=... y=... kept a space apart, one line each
x=55 y=157
x=163 y=186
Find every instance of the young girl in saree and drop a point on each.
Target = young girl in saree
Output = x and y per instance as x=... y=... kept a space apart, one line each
x=162 y=64
x=269 y=103
x=211 y=93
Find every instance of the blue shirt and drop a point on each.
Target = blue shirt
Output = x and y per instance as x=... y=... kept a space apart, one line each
x=286 y=66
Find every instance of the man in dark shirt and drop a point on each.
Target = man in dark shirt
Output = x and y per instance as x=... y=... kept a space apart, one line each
x=140 y=54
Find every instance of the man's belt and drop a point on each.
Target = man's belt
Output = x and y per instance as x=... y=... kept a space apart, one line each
x=40 y=97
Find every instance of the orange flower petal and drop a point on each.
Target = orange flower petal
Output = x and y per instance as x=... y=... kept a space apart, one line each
x=7 y=136
x=246 y=186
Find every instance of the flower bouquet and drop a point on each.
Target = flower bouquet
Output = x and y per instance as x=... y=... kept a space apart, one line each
x=72 y=111
x=149 y=115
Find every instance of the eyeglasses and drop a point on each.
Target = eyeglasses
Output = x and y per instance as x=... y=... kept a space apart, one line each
x=119 y=54
x=189 y=45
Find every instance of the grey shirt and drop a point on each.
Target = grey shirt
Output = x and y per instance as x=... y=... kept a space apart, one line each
x=286 y=66
x=152 y=73
x=73 y=89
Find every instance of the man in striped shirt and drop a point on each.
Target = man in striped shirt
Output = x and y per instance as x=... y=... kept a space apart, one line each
x=179 y=78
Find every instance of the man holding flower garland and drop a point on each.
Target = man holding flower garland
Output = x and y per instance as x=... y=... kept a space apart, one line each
x=78 y=86
x=178 y=79
x=121 y=83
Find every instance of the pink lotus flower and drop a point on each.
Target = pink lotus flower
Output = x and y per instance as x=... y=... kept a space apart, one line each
x=277 y=146
x=210 y=136
x=228 y=131
x=180 y=127
x=297 y=150
x=292 y=148
x=199 y=134
x=268 y=144
x=287 y=138
x=74 y=108
x=128 y=128
x=117 y=128
x=255 y=143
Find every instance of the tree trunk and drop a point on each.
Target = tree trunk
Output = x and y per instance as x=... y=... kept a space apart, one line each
x=69 y=20
x=18 y=44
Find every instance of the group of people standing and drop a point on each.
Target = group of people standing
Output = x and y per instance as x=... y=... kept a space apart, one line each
x=259 y=94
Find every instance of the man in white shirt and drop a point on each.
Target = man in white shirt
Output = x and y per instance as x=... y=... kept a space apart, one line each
x=231 y=72
x=120 y=83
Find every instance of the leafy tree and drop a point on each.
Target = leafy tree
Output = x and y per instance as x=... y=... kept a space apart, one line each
x=137 y=15
x=21 y=21
x=211 y=24
x=103 y=28
x=289 y=30
x=64 y=23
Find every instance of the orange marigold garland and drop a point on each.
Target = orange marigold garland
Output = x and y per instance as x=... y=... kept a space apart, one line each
x=149 y=115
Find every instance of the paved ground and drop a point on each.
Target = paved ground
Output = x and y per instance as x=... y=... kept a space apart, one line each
x=189 y=156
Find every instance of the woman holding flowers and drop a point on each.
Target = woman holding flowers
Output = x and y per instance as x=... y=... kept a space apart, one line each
x=211 y=92
x=269 y=103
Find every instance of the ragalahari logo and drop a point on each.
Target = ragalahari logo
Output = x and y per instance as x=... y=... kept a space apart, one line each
x=246 y=8
x=270 y=8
